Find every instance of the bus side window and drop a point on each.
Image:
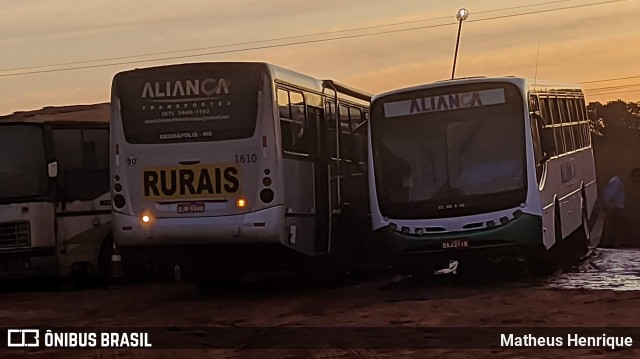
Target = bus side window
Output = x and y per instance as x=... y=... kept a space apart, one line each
x=283 y=104
x=587 y=126
x=362 y=132
x=95 y=144
x=284 y=111
x=346 y=140
x=557 y=125
x=566 y=125
x=96 y=148
x=533 y=103
x=584 y=124
x=578 y=137
x=83 y=163
x=332 y=133
x=293 y=131
x=355 y=115
x=537 y=147
x=547 y=136
x=536 y=127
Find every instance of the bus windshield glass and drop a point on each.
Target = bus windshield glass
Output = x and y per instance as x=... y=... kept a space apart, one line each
x=23 y=164
x=449 y=151
x=189 y=103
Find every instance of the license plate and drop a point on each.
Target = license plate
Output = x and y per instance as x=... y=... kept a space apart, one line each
x=455 y=243
x=190 y=207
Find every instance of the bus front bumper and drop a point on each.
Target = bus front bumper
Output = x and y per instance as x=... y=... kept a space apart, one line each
x=28 y=263
x=517 y=239
x=263 y=226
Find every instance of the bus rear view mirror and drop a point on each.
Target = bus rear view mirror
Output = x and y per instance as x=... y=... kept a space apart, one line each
x=52 y=169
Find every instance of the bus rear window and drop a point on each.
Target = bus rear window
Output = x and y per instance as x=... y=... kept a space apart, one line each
x=189 y=103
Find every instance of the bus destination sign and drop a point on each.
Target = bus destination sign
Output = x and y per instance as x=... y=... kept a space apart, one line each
x=454 y=101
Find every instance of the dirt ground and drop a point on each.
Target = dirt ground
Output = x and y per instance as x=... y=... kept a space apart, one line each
x=376 y=302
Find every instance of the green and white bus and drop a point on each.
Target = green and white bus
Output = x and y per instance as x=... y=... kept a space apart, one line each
x=481 y=168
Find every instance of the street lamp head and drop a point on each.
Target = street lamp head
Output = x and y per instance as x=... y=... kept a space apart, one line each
x=462 y=14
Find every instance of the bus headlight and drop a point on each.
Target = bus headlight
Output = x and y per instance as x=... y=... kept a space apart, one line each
x=146 y=219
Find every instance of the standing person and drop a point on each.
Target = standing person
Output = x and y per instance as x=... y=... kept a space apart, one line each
x=613 y=201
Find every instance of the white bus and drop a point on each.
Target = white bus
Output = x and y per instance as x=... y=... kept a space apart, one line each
x=55 y=208
x=487 y=168
x=225 y=168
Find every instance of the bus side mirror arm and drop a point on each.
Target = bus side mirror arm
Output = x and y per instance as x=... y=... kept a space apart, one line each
x=535 y=115
x=538 y=122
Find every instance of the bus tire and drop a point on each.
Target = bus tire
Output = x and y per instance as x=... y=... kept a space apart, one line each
x=541 y=263
x=80 y=276
x=221 y=281
x=104 y=260
x=585 y=223
x=545 y=262
x=564 y=253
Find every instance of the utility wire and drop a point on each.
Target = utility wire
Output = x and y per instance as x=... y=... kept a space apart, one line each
x=613 y=79
x=275 y=39
x=610 y=93
x=307 y=41
x=605 y=89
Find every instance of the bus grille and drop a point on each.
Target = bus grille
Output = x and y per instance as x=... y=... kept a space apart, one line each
x=15 y=234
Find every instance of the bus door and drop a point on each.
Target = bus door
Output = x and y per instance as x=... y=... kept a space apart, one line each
x=299 y=136
x=320 y=155
x=331 y=137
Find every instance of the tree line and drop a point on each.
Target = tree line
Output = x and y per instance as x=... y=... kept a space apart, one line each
x=614 y=116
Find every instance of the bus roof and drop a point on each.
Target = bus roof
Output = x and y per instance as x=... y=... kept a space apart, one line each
x=278 y=73
x=311 y=83
x=528 y=84
x=62 y=114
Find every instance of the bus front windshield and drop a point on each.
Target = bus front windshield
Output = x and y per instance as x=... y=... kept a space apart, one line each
x=455 y=151
x=23 y=163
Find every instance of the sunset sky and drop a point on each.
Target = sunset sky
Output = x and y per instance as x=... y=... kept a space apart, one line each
x=579 y=42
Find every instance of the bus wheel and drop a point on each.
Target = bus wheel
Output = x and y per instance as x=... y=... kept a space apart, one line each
x=565 y=251
x=80 y=276
x=585 y=239
x=227 y=281
x=541 y=263
x=104 y=259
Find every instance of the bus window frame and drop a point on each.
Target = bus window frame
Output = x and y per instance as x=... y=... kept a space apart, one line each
x=308 y=133
x=536 y=123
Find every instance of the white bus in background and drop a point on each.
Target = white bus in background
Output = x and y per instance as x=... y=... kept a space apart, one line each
x=229 y=168
x=54 y=196
x=482 y=168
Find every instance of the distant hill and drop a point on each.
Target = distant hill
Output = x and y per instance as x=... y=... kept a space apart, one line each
x=95 y=112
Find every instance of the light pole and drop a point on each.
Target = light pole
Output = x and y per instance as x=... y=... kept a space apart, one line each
x=461 y=16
